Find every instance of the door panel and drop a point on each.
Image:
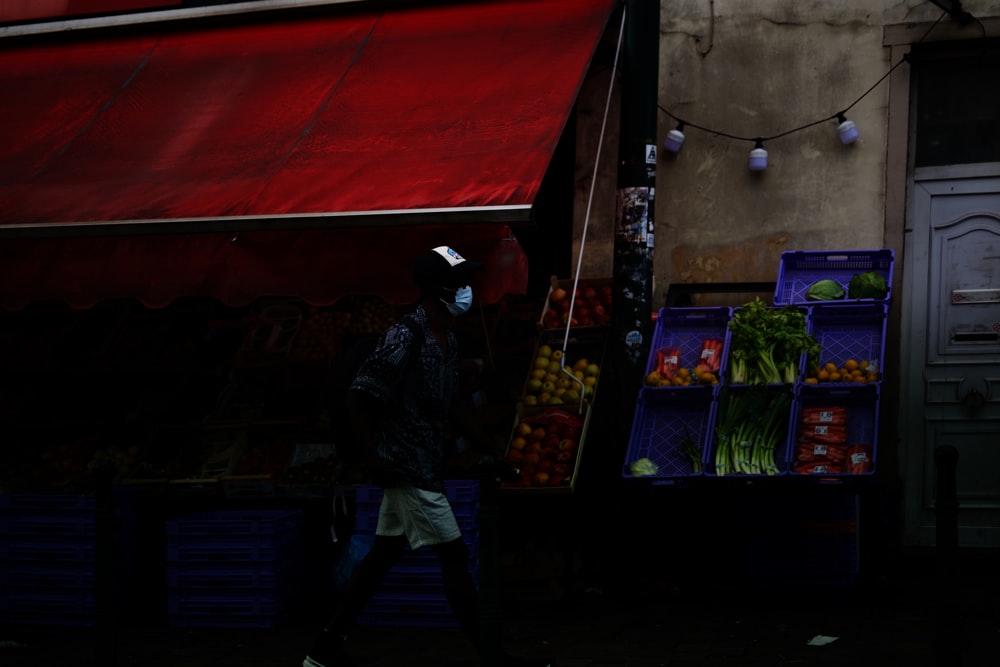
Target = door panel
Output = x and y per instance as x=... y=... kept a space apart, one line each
x=950 y=374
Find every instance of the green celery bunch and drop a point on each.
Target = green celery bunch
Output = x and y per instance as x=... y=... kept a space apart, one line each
x=752 y=424
x=767 y=343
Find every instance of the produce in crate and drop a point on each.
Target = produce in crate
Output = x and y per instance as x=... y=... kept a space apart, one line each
x=867 y=285
x=767 y=343
x=825 y=290
x=852 y=370
x=554 y=381
x=691 y=450
x=591 y=306
x=544 y=447
x=669 y=373
x=643 y=467
x=751 y=428
x=821 y=443
x=859 y=459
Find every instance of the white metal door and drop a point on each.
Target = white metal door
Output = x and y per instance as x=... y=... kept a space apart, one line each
x=950 y=356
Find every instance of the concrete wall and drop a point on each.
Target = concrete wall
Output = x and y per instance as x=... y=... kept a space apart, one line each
x=754 y=68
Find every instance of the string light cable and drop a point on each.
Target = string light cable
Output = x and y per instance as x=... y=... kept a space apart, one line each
x=846 y=128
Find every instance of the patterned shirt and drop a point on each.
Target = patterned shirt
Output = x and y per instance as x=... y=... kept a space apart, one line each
x=417 y=394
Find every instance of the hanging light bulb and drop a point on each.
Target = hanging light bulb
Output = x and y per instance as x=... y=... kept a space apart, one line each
x=675 y=139
x=758 y=156
x=847 y=130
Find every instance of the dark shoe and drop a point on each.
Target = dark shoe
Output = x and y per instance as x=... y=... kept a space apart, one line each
x=328 y=651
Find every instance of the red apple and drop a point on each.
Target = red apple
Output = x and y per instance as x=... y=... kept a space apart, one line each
x=557 y=294
x=561 y=469
x=556 y=480
x=551 y=440
x=568 y=445
x=564 y=457
x=540 y=479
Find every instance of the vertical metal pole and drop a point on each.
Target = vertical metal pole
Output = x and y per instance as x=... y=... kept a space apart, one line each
x=948 y=630
x=633 y=248
x=105 y=639
x=490 y=603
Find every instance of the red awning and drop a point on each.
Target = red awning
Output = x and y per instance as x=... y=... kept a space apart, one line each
x=144 y=153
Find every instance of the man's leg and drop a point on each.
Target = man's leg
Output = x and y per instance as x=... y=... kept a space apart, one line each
x=459 y=587
x=328 y=650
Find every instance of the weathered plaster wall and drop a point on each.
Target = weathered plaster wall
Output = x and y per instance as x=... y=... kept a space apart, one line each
x=760 y=69
x=753 y=68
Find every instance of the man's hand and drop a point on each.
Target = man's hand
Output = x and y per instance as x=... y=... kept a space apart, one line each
x=489 y=466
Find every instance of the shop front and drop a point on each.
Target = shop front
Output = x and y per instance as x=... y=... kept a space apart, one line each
x=199 y=215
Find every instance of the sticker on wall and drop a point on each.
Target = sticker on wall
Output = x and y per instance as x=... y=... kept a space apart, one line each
x=633 y=214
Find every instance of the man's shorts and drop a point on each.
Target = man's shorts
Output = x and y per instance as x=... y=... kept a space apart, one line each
x=425 y=517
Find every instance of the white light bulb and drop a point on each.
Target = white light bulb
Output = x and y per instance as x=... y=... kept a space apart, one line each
x=848 y=132
x=674 y=141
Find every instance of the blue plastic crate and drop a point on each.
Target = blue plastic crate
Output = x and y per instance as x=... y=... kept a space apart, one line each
x=234 y=576
x=235 y=522
x=850 y=331
x=43 y=606
x=52 y=577
x=663 y=417
x=264 y=608
x=72 y=549
x=34 y=524
x=235 y=536
x=862 y=405
x=813 y=543
x=686 y=329
x=800 y=269
x=781 y=447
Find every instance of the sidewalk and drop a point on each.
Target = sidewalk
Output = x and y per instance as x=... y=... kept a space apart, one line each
x=889 y=622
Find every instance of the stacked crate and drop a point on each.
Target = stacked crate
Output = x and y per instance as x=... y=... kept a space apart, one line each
x=48 y=559
x=848 y=442
x=234 y=568
x=666 y=415
x=412 y=594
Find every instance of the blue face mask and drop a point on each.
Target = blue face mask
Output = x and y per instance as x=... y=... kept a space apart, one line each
x=462 y=302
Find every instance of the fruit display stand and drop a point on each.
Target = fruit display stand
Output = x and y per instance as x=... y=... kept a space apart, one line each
x=554 y=409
